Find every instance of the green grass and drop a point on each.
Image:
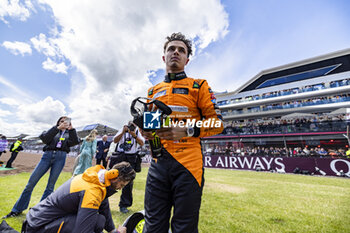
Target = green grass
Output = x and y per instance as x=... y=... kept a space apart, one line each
x=235 y=201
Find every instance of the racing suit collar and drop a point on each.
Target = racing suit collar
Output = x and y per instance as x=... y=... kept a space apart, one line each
x=174 y=76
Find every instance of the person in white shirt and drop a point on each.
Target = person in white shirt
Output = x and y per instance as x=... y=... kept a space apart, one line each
x=129 y=141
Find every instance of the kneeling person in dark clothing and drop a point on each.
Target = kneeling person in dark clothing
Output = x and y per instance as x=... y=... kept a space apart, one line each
x=81 y=204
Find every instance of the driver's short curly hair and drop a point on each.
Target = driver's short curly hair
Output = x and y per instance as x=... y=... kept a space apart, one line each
x=126 y=172
x=180 y=37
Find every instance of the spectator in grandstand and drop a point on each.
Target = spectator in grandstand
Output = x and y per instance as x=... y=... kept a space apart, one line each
x=15 y=148
x=322 y=152
x=87 y=152
x=227 y=150
x=216 y=150
x=306 y=151
x=210 y=151
x=341 y=153
x=313 y=153
x=57 y=141
x=81 y=204
x=3 y=144
x=102 y=150
x=333 y=153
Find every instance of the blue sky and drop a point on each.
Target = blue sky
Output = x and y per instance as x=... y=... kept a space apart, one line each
x=90 y=60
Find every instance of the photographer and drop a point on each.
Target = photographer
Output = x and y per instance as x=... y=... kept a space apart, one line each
x=129 y=140
x=58 y=141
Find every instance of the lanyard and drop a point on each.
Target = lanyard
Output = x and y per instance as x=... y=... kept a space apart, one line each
x=61 y=137
x=59 y=143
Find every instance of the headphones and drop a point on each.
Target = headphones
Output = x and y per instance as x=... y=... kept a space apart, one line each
x=114 y=173
x=111 y=174
x=137 y=112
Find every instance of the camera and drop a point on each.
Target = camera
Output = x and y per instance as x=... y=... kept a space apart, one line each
x=126 y=146
x=131 y=127
x=68 y=120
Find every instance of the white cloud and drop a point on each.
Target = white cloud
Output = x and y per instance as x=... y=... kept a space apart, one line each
x=30 y=118
x=9 y=101
x=55 y=67
x=17 y=47
x=45 y=46
x=11 y=129
x=116 y=43
x=4 y=113
x=15 y=9
x=46 y=111
x=49 y=48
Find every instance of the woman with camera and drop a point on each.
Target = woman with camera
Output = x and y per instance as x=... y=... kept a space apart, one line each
x=57 y=142
x=87 y=152
x=129 y=140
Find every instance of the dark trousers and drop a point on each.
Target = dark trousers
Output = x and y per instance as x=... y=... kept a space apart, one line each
x=65 y=225
x=170 y=184
x=126 y=197
x=10 y=161
x=103 y=160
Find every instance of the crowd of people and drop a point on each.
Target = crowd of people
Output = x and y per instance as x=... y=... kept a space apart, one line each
x=312 y=123
x=292 y=104
x=290 y=91
x=272 y=151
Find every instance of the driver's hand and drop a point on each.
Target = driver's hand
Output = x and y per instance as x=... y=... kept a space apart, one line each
x=147 y=134
x=172 y=133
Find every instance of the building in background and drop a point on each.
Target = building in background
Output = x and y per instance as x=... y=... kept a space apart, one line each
x=301 y=105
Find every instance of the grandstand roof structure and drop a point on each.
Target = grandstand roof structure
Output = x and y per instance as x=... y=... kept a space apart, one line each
x=21 y=136
x=330 y=63
x=102 y=129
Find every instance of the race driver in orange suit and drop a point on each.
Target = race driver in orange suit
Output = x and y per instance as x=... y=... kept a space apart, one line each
x=81 y=204
x=175 y=178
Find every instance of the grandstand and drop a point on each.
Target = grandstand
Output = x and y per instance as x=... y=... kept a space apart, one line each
x=101 y=129
x=291 y=110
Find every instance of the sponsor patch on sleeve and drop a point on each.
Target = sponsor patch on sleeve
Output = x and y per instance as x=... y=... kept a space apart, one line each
x=177 y=108
x=159 y=94
x=183 y=91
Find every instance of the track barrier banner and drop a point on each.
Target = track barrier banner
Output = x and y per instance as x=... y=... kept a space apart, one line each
x=331 y=166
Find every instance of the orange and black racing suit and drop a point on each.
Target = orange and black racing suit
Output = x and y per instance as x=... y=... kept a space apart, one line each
x=80 y=205
x=176 y=177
